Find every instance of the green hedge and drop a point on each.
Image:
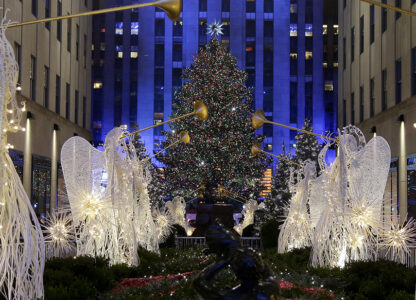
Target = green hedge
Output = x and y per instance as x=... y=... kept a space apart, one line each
x=269 y=233
x=82 y=278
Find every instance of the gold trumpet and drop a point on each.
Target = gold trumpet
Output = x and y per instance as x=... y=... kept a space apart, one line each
x=255 y=149
x=200 y=110
x=172 y=8
x=183 y=137
x=259 y=119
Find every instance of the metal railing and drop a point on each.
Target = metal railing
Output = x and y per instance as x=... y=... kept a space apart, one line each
x=185 y=242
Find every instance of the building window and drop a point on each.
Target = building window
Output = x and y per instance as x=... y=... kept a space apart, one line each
x=47 y=13
x=176 y=78
x=159 y=55
x=362 y=34
x=225 y=5
x=177 y=28
x=398 y=4
x=268 y=6
x=250 y=6
x=41 y=184
x=344 y=112
x=384 y=90
x=85 y=51
x=177 y=52
x=250 y=54
x=309 y=100
x=69 y=35
x=84 y=112
x=68 y=102
x=398 y=81
x=309 y=12
x=268 y=29
x=372 y=23
x=76 y=106
x=160 y=27
x=18 y=162
x=77 y=43
x=58 y=95
x=383 y=17
x=202 y=5
x=46 y=87
x=413 y=74
x=361 y=104
x=293 y=102
x=59 y=23
x=18 y=56
x=202 y=31
x=352 y=43
x=308 y=63
x=293 y=12
x=352 y=109
x=33 y=78
x=250 y=28
x=372 y=97
x=293 y=64
x=35 y=8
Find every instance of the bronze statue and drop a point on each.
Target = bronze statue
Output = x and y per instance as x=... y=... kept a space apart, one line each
x=257 y=280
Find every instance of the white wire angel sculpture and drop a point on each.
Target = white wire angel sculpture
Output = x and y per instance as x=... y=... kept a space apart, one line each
x=22 y=250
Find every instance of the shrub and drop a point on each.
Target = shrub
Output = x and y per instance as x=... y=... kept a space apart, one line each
x=377 y=279
x=269 y=233
x=77 y=278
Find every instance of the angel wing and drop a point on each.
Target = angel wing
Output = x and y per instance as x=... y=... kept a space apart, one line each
x=83 y=168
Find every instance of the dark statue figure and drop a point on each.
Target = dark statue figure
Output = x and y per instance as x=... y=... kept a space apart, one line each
x=257 y=280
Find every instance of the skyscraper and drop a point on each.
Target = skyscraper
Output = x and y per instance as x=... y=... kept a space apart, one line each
x=377 y=90
x=55 y=82
x=139 y=56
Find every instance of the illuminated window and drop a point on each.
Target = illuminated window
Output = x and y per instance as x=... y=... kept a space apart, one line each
x=329 y=86
x=269 y=147
x=308 y=55
x=293 y=8
x=134 y=54
x=336 y=30
x=134 y=28
x=102 y=46
x=325 y=64
x=120 y=54
x=293 y=29
x=98 y=85
x=308 y=30
x=293 y=55
x=324 y=29
x=119 y=28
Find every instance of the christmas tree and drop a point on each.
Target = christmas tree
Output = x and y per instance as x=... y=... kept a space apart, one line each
x=307 y=146
x=279 y=196
x=156 y=188
x=219 y=151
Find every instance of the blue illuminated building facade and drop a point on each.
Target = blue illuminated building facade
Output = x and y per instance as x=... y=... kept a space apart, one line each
x=138 y=57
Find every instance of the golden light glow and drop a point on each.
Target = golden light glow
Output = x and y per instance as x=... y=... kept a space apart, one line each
x=91 y=205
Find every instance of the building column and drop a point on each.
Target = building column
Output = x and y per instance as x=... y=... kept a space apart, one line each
x=27 y=160
x=402 y=173
x=54 y=170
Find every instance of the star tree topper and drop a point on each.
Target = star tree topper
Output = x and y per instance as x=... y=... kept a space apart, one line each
x=215 y=29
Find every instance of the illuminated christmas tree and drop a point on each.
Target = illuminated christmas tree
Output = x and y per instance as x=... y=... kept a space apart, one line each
x=219 y=151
